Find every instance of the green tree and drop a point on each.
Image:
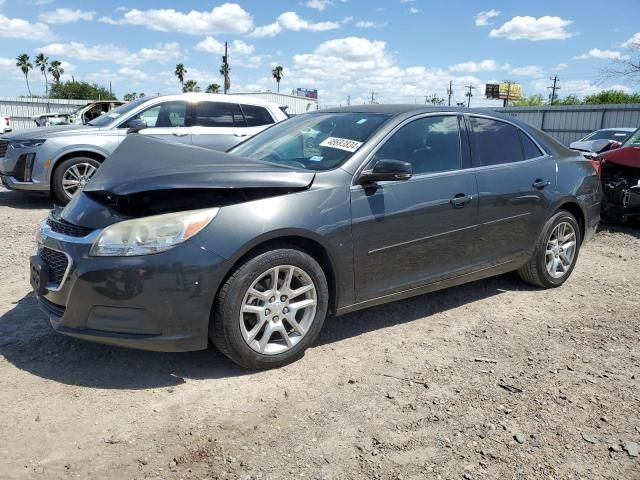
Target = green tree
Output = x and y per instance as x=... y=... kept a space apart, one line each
x=190 y=86
x=612 y=96
x=277 y=73
x=569 y=100
x=531 y=101
x=225 y=70
x=434 y=100
x=127 y=97
x=213 y=88
x=56 y=70
x=80 y=90
x=180 y=73
x=23 y=63
x=42 y=62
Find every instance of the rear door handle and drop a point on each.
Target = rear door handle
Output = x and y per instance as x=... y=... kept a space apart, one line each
x=241 y=135
x=540 y=184
x=180 y=134
x=461 y=200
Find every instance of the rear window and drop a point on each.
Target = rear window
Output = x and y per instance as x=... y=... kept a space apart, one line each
x=218 y=114
x=256 y=116
x=531 y=150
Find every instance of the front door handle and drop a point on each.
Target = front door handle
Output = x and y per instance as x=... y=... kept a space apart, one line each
x=540 y=184
x=176 y=134
x=241 y=135
x=461 y=200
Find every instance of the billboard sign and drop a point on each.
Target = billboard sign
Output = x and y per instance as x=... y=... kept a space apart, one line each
x=307 y=93
x=503 y=91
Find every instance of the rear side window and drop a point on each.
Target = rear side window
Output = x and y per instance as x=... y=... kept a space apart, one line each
x=496 y=142
x=218 y=114
x=531 y=150
x=256 y=116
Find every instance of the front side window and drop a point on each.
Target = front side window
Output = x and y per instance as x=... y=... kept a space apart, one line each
x=218 y=114
x=430 y=145
x=315 y=141
x=164 y=115
x=633 y=140
x=256 y=116
x=496 y=142
x=114 y=114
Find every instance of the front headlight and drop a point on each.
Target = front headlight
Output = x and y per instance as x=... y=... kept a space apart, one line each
x=143 y=236
x=27 y=143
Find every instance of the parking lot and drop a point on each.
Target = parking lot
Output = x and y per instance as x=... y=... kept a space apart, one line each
x=489 y=380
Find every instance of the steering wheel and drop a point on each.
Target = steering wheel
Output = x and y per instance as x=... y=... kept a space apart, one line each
x=274 y=157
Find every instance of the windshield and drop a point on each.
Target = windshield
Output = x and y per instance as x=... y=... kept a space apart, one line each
x=633 y=140
x=616 y=135
x=107 y=118
x=315 y=141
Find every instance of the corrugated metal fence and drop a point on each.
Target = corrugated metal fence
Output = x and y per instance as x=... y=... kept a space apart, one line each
x=21 y=109
x=570 y=123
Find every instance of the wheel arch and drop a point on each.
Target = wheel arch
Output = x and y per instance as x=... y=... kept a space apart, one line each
x=574 y=208
x=96 y=155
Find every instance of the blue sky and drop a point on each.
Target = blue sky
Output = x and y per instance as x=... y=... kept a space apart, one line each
x=400 y=49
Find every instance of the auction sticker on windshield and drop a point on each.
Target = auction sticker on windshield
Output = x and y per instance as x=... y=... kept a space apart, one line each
x=341 y=144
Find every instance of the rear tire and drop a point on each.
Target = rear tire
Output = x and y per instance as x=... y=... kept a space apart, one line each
x=260 y=326
x=554 y=257
x=81 y=167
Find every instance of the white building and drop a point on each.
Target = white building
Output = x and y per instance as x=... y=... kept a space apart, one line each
x=295 y=105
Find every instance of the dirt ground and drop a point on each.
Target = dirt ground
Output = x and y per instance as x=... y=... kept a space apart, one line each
x=417 y=389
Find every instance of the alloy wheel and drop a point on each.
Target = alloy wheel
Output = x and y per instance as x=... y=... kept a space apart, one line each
x=561 y=250
x=278 y=309
x=76 y=177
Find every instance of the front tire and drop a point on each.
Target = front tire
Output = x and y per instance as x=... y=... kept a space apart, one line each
x=71 y=176
x=270 y=309
x=555 y=254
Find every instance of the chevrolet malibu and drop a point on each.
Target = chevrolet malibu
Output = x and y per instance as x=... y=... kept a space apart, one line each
x=323 y=214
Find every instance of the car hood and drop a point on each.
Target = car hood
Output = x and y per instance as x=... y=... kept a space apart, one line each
x=626 y=156
x=143 y=164
x=50 y=132
x=595 y=146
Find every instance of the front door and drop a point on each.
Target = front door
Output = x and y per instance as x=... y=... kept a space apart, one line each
x=168 y=121
x=516 y=181
x=412 y=232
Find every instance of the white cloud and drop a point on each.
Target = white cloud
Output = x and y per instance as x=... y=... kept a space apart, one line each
x=226 y=18
x=528 y=71
x=239 y=52
x=487 y=65
x=319 y=5
x=292 y=21
x=133 y=73
x=19 y=28
x=534 y=29
x=66 y=15
x=634 y=41
x=369 y=24
x=482 y=18
x=414 y=10
x=601 y=55
x=560 y=66
x=111 y=53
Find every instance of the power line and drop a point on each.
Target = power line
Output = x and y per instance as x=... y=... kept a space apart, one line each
x=554 y=88
x=469 y=94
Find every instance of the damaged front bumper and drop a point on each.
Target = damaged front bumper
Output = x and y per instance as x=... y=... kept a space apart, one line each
x=158 y=302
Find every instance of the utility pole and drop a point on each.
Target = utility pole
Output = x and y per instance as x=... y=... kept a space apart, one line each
x=505 y=102
x=225 y=66
x=349 y=100
x=110 y=91
x=450 y=91
x=372 y=97
x=554 y=88
x=469 y=94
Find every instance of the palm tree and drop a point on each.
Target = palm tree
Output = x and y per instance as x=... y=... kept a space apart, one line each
x=24 y=65
x=225 y=69
x=180 y=72
x=190 y=86
x=277 y=73
x=213 y=88
x=42 y=62
x=56 y=70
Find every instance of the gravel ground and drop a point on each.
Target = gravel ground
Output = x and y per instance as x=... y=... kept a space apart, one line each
x=491 y=380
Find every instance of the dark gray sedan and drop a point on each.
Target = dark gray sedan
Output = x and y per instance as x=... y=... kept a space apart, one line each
x=323 y=214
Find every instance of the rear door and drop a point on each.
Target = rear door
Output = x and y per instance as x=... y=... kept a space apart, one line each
x=413 y=232
x=218 y=125
x=516 y=181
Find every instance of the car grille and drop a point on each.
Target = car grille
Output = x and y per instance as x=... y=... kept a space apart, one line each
x=61 y=226
x=3 y=148
x=57 y=263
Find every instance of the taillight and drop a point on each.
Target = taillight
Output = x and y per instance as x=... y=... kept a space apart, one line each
x=597 y=165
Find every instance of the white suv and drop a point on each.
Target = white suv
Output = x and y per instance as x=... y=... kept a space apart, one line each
x=5 y=124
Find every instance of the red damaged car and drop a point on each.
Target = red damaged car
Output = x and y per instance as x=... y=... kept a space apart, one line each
x=620 y=173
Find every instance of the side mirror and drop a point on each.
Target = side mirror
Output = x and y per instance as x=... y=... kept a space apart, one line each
x=135 y=125
x=386 y=170
x=614 y=145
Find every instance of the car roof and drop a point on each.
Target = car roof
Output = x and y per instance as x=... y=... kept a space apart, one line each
x=219 y=97
x=413 y=109
x=621 y=129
